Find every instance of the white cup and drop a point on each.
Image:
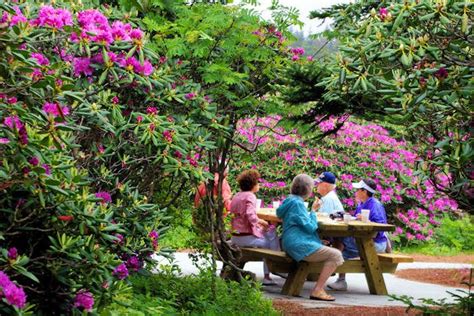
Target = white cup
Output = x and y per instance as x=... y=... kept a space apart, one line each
x=259 y=203
x=365 y=215
x=347 y=218
x=306 y=204
x=276 y=204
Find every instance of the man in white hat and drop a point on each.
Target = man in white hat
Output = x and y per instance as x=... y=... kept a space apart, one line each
x=365 y=196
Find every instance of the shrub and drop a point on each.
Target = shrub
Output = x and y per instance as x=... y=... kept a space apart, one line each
x=82 y=141
x=358 y=150
x=169 y=293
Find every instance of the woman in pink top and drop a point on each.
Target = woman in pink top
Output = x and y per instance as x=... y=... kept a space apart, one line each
x=248 y=229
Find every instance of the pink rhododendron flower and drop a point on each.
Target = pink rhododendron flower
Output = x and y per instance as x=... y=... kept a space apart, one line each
x=40 y=58
x=154 y=238
x=151 y=110
x=54 y=109
x=13 y=294
x=190 y=96
x=12 y=253
x=134 y=263
x=136 y=34
x=34 y=161
x=121 y=271
x=13 y=122
x=18 y=17
x=82 y=66
x=84 y=301
x=47 y=169
x=121 y=31
x=55 y=18
x=105 y=196
x=383 y=13
x=168 y=136
x=4 y=140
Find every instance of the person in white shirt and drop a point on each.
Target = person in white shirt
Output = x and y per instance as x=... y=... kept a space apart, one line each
x=329 y=202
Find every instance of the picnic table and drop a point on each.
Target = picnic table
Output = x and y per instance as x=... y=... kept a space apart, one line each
x=370 y=263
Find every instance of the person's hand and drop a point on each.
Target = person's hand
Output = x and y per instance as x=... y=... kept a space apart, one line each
x=316 y=204
x=359 y=216
x=263 y=223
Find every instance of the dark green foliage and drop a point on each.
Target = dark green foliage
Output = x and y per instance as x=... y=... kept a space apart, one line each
x=168 y=294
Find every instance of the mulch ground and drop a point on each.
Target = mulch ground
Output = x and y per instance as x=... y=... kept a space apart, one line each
x=289 y=308
x=448 y=277
x=447 y=259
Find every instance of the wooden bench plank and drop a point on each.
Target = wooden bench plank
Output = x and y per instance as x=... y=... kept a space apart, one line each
x=394 y=258
x=262 y=253
x=257 y=254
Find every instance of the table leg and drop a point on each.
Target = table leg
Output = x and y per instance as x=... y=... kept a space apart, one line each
x=373 y=270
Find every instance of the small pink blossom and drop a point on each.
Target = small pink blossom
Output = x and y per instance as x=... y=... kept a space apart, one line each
x=190 y=96
x=105 y=196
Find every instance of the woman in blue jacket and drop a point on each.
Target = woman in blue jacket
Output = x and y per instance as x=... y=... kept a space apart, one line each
x=300 y=239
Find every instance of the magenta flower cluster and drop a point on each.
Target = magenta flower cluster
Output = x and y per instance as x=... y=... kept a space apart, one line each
x=14 y=295
x=95 y=28
x=84 y=300
x=154 y=236
x=51 y=17
x=297 y=52
x=134 y=263
x=55 y=109
x=105 y=196
x=121 y=271
x=14 y=123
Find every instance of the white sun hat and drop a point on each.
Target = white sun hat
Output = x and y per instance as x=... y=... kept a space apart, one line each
x=362 y=185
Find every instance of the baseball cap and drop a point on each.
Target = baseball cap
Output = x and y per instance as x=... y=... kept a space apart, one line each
x=326 y=176
x=363 y=185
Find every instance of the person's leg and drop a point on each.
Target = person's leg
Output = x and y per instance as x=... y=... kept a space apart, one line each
x=255 y=242
x=349 y=251
x=332 y=258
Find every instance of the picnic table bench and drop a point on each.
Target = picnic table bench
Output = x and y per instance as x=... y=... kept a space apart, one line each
x=370 y=263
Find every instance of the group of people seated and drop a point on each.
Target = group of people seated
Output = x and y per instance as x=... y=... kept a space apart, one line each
x=299 y=238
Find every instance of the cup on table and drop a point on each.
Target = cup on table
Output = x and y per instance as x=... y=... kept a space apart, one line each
x=259 y=203
x=347 y=218
x=364 y=214
x=306 y=204
x=276 y=204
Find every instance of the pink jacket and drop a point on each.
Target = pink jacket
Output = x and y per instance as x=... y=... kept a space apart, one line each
x=244 y=210
x=226 y=192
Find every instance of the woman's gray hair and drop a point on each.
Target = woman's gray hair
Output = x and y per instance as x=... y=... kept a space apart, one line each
x=302 y=185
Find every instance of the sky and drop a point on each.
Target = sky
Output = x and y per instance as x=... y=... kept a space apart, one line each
x=305 y=7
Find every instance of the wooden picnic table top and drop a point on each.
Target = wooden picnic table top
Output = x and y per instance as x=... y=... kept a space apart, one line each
x=327 y=225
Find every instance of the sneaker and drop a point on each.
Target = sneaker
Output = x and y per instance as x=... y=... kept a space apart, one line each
x=268 y=282
x=339 y=285
x=282 y=275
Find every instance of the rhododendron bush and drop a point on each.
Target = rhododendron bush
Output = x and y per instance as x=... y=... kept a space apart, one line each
x=85 y=142
x=358 y=150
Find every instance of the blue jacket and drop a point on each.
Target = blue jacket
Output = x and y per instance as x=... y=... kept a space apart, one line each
x=377 y=215
x=299 y=238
